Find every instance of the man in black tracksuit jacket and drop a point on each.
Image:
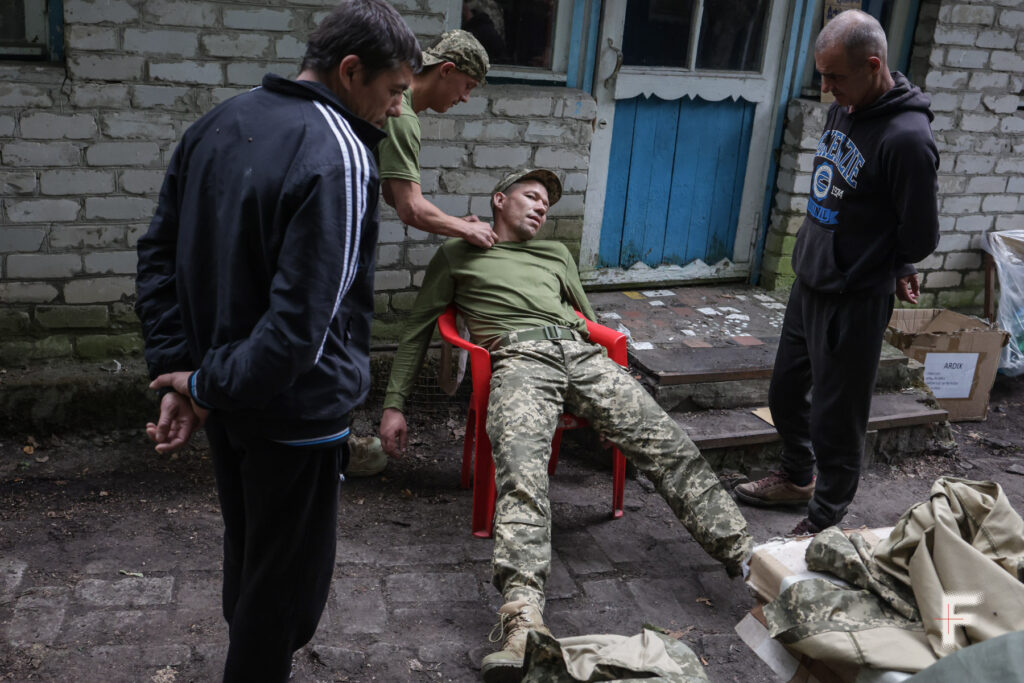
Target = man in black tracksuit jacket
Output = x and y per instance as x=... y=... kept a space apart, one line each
x=255 y=292
x=872 y=212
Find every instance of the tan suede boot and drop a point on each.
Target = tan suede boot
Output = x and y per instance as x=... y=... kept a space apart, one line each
x=515 y=619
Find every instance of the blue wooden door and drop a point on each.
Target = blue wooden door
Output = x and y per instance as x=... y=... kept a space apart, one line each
x=675 y=180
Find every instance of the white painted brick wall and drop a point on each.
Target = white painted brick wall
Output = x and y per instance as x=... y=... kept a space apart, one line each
x=83 y=153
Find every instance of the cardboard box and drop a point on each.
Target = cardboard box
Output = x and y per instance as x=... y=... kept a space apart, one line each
x=792 y=667
x=960 y=355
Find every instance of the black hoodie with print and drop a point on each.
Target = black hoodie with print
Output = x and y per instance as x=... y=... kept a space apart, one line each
x=873 y=207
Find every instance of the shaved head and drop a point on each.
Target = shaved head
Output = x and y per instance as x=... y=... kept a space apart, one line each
x=858 y=34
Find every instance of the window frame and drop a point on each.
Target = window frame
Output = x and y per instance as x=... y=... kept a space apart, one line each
x=562 y=38
x=44 y=33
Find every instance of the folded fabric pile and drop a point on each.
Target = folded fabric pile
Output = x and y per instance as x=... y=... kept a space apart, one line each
x=949 y=575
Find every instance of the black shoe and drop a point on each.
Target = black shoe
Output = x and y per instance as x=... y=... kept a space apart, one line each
x=805 y=527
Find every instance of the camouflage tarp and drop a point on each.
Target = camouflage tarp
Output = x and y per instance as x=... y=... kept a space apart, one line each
x=648 y=656
x=960 y=554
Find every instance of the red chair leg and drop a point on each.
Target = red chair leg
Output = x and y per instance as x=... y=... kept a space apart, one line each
x=468 y=444
x=556 y=444
x=484 y=492
x=618 y=481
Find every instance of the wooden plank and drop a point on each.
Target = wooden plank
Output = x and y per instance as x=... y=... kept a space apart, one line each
x=679 y=221
x=702 y=146
x=615 y=194
x=735 y=121
x=664 y=121
x=640 y=173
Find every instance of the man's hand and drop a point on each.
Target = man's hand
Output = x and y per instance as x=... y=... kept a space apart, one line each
x=478 y=233
x=176 y=423
x=179 y=382
x=394 y=434
x=908 y=289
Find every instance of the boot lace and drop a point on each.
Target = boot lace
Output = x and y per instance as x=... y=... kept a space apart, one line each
x=506 y=627
x=771 y=481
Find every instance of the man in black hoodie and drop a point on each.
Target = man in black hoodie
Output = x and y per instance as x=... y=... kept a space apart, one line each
x=255 y=292
x=871 y=214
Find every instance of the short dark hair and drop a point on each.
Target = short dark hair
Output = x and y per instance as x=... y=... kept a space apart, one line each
x=369 y=29
x=859 y=33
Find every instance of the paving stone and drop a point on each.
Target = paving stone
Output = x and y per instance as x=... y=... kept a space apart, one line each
x=582 y=555
x=11 y=573
x=149 y=655
x=419 y=554
x=35 y=625
x=356 y=605
x=198 y=592
x=114 y=627
x=657 y=603
x=128 y=592
x=466 y=625
x=565 y=621
x=560 y=585
x=432 y=587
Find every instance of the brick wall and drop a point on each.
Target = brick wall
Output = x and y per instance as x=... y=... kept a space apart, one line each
x=970 y=59
x=83 y=151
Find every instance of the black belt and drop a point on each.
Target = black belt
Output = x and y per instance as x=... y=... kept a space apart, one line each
x=536 y=334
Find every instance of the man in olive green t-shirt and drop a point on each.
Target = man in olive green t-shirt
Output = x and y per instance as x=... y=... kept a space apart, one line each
x=452 y=67
x=518 y=299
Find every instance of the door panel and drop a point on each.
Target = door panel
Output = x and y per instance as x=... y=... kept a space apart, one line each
x=675 y=181
x=681 y=147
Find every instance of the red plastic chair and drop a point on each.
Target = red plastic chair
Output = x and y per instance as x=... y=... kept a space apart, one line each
x=476 y=442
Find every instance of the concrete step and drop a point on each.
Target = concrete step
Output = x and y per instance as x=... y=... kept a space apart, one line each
x=902 y=424
x=741 y=427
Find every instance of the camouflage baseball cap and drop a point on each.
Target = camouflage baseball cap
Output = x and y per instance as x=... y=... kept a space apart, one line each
x=545 y=177
x=461 y=49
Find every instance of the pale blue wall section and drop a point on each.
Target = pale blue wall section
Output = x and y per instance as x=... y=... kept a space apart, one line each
x=675 y=181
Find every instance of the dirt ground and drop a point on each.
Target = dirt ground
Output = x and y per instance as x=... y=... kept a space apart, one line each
x=110 y=555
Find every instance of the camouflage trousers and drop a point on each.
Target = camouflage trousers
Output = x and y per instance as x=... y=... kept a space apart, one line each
x=532 y=384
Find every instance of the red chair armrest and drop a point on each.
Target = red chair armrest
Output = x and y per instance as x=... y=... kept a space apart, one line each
x=612 y=340
x=479 y=357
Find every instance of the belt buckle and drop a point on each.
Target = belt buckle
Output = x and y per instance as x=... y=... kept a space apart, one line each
x=552 y=332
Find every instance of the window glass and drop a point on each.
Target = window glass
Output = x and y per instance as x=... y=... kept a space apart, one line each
x=732 y=35
x=12 y=28
x=657 y=33
x=23 y=29
x=514 y=32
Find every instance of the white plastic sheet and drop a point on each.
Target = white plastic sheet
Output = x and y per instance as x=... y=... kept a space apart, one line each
x=1007 y=249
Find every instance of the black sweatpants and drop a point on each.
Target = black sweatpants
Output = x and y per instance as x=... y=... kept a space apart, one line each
x=821 y=388
x=280 y=508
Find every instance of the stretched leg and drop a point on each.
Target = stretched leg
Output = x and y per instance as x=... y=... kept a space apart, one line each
x=845 y=359
x=280 y=511
x=619 y=408
x=527 y=386
x=789 y=392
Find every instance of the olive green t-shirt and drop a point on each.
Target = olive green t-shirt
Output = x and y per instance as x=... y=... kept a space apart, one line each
x=398 y=155
x=511 y=286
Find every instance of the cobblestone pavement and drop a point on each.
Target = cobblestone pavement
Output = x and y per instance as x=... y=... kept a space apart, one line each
x=110 y=555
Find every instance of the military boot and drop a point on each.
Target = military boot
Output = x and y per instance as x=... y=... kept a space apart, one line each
x=515 y=619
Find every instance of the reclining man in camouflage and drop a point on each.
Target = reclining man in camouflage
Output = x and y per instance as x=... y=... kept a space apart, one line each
x=518 y=299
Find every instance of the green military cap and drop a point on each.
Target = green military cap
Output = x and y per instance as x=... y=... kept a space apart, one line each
x=545 y=177
x=463 y=50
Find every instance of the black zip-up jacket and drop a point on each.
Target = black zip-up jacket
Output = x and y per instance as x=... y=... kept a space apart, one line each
x=257 y=269
x=873 y=205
